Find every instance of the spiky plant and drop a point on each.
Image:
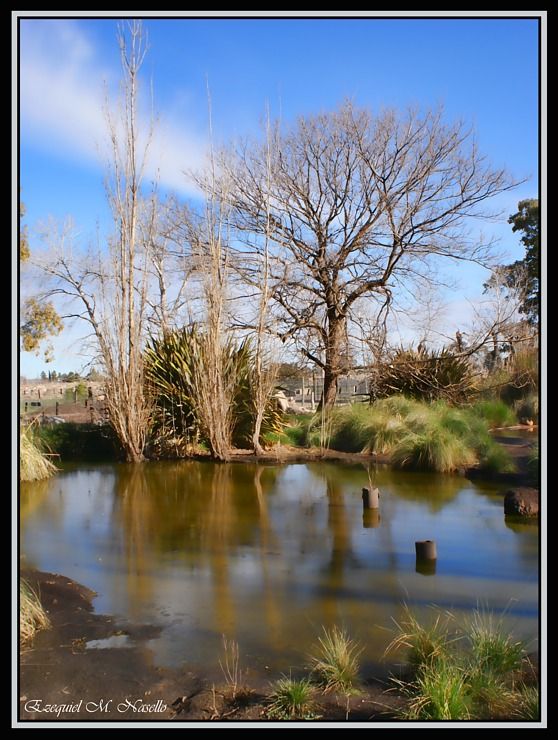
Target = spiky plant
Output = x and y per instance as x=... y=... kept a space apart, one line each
x=292 y=698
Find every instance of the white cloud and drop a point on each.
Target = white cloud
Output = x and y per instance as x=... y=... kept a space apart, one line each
x=62 y=91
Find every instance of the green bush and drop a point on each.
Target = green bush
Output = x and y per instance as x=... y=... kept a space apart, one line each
x=495 y=412
x=87 y=442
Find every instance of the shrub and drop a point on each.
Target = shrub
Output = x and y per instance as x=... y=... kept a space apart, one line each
x=434 y=449
x=73 y=441
x=424 y=375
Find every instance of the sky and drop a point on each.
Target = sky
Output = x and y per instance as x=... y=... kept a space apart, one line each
x=484 y=71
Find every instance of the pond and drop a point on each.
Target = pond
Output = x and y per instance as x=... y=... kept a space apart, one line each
x=267 y=554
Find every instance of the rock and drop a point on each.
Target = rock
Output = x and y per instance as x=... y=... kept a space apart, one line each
x=522 y=502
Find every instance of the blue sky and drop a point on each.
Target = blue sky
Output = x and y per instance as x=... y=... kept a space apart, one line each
x=483 y=71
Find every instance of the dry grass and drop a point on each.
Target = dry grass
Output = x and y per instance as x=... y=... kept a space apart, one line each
x=32 y=616
x=33 y=465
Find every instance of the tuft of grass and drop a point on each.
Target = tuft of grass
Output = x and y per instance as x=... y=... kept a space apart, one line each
x=528 y=703
x=33 y=465
x=439 y=693
x=495 y=412
x=436 y=449
x=32 y=616
x=292 y=698
x=425 y=644
x=336 y=662
x=497 y=459
x=469 y=674
x=492 y=648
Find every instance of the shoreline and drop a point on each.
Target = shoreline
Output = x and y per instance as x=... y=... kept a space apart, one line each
x=61 y=679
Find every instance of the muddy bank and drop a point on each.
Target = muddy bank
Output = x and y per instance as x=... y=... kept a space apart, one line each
x=92 y=667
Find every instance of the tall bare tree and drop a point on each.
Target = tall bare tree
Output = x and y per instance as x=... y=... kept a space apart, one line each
x=358 y=206
x=108 y=287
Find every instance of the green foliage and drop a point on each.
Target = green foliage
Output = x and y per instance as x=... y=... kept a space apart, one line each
x=439 y=693
x=467 y=673
x=292 y=698
x=427 y=436
x=170 y=365
x=33 y=465
x=40 y=320
x=521 y=278
x=495 y=412
x=424 y=375
x=336 y=662
x=424 y=644
x=433 y=449
x=87 y=442
x=528 y=704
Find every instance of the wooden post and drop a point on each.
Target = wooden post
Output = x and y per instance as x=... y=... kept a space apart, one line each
x=56 y=412
x=370 y=498
x=303 y=390
x=75 y=395
x=426 y=550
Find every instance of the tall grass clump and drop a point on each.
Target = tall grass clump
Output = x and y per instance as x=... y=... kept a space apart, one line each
x=434 y=449
x=292 y=698
x=33 y=465
x=469 y=672
x=495 y=412
x=32 y=616
x=336 y=662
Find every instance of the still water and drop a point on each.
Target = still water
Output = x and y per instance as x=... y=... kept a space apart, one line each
x=268 y=554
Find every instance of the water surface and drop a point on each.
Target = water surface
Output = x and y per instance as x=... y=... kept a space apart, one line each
x=268 y=554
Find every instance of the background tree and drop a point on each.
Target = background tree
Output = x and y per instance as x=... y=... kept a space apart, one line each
x=108 y=287
x=521 y=278
x=38 y=318
x=356 y=207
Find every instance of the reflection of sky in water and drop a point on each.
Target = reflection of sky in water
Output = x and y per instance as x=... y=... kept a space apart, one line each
x=270 y=554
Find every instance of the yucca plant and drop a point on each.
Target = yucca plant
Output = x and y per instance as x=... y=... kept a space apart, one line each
x=174 y=371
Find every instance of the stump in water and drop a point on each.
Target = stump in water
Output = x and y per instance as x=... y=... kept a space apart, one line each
x=370 y=498
x=426 y=550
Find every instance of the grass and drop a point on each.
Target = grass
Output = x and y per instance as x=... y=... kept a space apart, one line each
x=468 y=673
x=336 y=662
x=439 y=693
x=33 y=465
x=32 y=616
x=492 y=648
x=495 y=412
x=414 y=434
x=424 y=644
x=230 y=666
x=292 y=698
x=527 y=409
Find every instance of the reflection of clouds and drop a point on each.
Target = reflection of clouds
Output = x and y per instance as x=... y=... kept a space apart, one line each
x=268 y=554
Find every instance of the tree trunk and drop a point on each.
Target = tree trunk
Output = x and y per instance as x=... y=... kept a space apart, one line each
x=333 y=365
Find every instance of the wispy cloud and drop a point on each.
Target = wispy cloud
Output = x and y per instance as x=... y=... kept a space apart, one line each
x=63 y=83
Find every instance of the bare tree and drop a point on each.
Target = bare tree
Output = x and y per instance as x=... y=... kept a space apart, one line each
x=358 y=206
x=108 y=287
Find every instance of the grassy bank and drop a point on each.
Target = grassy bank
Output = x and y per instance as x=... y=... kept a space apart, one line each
x=33 y=464
x=414 y=434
